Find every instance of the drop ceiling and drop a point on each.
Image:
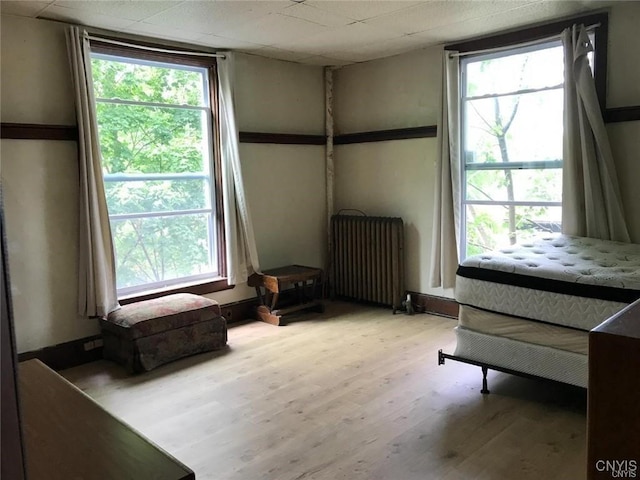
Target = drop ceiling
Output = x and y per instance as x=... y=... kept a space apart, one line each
x=317 y=32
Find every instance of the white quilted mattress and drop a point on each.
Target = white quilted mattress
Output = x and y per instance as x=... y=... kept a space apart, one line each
x=570 y=281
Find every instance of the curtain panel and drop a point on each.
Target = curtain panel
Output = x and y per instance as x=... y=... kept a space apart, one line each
x=591 y=200
x=97 y=294
x=446 y=217
x=241 y=254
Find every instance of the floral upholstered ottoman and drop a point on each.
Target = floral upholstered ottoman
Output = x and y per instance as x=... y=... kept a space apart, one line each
x=144 y=335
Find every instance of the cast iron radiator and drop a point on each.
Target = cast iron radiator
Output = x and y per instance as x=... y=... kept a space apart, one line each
x=368 y=259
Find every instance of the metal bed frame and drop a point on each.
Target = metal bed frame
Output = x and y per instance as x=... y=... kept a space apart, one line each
x=485 y=368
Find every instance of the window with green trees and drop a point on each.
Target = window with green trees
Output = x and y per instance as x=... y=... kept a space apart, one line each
x=156 y=139
x=512 y=125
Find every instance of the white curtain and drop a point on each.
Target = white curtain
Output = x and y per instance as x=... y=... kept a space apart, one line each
x=242 y=255
x=96 y=271
x=591 y=202
x=446 y=218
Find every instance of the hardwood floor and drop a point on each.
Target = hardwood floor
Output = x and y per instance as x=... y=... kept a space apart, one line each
x=354 y=393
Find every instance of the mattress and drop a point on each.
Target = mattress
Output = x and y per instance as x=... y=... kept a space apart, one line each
x=569 y=281
x=539 y=360
x=538 y=333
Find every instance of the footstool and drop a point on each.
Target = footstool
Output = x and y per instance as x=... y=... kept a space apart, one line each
x=144 y=335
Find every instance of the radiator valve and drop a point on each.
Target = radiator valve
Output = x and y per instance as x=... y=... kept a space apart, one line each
x=408 y=306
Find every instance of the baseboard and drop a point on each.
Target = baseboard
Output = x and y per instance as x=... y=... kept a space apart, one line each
x=425 y=303
x=89 y=349
x=240 y=311
x=68 y=354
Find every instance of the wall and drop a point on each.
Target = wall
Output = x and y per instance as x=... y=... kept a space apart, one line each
x=39 y=178
x=623 y=90
x=396 y=177
x=285 y=183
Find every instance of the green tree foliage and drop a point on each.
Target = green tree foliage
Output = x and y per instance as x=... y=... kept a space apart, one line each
x=160 y=141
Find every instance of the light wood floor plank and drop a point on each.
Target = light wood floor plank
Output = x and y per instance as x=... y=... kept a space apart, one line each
x=354 y=393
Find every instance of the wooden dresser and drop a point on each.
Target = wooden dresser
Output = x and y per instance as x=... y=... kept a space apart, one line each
x=613 y=419
x=69 y=436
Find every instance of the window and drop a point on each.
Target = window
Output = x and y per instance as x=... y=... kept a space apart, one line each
x=156 y=132
x=511 y=127
x=512 y=123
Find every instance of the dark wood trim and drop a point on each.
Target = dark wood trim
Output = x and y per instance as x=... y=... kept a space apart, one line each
x=32 y=131
x=282 y=138
x=12 y=464
x=68 y=354
x=240 y=311
x=537 y=32
x=121 y=50
x=429 y=131
x=197 y=289
x=526 y=34
x=221 y=237
x=425 y=303
x=622 y=114
x=601 y=57
x=27 y=131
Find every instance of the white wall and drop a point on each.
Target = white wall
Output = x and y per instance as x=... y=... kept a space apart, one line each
x=396 y=177
x=396 y=92
x=279 y=97
x=623 y=73
x=285 y=184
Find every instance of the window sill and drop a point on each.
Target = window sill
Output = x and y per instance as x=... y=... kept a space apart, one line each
x=216 y=285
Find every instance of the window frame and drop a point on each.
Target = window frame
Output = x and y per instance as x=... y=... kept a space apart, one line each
x=514 y=39
x=195 y=286
x=467 y=167
x=541 y=31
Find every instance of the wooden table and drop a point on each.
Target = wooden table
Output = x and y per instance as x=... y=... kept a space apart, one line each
x=69 y=436
x=273 y=282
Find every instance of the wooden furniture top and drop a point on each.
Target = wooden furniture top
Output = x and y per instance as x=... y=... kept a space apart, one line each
x=625 y=323
x=68 y=435
x=275 y=277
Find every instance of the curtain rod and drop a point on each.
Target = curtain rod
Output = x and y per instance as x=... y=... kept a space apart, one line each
x=156 y=49
x=510 y=47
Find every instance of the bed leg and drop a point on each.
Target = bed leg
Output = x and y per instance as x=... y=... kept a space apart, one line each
x=484 y=390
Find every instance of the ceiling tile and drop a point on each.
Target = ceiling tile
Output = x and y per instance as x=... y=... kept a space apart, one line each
x=22 y=9
x=324 y=61
x=215 y=17
x=359 y=9
x=276 y=29
x=316 y=15
x=349 y=37
x=307 y=31
x=280 y=54
x=149 y=30
x=83 y=17
x=506 y=20
x=130 y=10
x=387 y=48
x=227 y=43
x=426 y=16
